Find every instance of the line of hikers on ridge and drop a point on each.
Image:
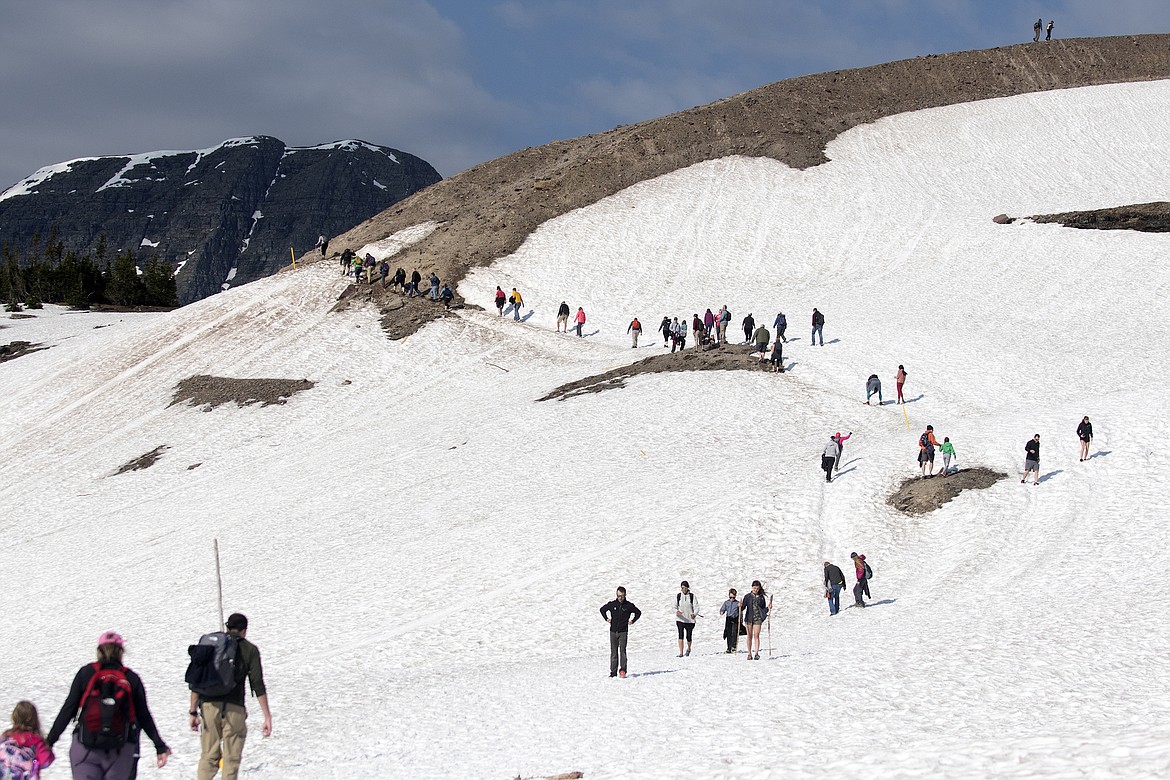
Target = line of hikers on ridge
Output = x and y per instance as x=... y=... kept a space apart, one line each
x=369 y=270
x=741 y=617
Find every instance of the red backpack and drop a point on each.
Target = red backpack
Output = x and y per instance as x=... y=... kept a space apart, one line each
x=107 y=709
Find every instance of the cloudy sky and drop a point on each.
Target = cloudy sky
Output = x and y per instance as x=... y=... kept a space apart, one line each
x=455 y=82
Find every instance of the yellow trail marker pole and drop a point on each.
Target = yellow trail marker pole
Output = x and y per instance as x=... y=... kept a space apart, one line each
x=294 y=256
x=906 y=416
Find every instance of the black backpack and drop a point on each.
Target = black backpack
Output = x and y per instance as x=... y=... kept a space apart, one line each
x=868 y=571
x=214 y=663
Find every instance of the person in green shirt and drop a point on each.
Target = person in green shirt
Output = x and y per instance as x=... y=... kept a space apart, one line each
x=948 y=452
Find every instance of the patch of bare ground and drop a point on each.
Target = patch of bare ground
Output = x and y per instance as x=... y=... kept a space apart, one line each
x=400 y=315
x=1142 y=217
x=487 y=211
x=211 y=391
x=918 y=496
x=730 y=357
x=143 y=461
x=18 y=349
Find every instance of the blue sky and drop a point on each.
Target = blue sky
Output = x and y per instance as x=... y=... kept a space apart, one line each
x=455 y=82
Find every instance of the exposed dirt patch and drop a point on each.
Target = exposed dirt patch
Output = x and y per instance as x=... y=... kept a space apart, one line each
x=1142 y=217
x=487 y=211
x=731 y=357
x=917 y=496
x=401 y=316
x=211 y=391
x=18 y=349
x=144 y=461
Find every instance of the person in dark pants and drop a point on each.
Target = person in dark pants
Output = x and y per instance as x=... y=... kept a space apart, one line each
x=749 y=327
x=119 y=762
x=1036 y=28
x=446 y=295
x=818 y=327
x=873 y=385
x=834 y=584
x=861 y=570
x=501 y=299
x=1048 y=37
x=1032 y=459
x=781 y=324
x=829 y=459
x=664 y=329
x=618 y=614
x=730 y=611
x=415 y=278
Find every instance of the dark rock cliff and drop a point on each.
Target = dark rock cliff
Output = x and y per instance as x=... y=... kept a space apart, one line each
x=222 y=216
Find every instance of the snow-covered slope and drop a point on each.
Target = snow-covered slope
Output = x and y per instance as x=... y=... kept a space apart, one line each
x=422 y=550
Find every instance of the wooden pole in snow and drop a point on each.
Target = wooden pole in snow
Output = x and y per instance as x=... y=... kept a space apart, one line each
x=219 y=584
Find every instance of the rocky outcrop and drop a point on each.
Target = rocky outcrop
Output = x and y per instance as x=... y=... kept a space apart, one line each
x=221 y=216
x=1142 y=217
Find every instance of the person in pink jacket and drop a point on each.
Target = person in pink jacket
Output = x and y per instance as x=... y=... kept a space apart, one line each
x=580 y=320
x=900 y=378
x=840 y=440
x=23 y=752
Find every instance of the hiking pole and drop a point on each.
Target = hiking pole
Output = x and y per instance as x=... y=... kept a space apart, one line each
x=770 y=624
x=219 y=581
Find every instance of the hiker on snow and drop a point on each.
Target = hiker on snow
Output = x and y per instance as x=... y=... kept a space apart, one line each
x=517 y=301
x=23 y=753
x=926 y=445
x=322 y=244
x=755 y=611
x=900 y=379
x=834 y=584
x=619 y=618
x=224 y=718
x=829 y=458
x=818 y=326
x=685 y=613
x=840 y=441
x=781 y=324
x=777 y=358
x=501 y=299
x=563 y=317
x=1085 y=434
x=749 y=327
x=1032 y=458
x=732 y=623
x=580 y=320
x=948 y=452
x=873 y=385
x=635 y=330
x=97 y=689
x=760 y=338
x=863 y=572
x=664 y=328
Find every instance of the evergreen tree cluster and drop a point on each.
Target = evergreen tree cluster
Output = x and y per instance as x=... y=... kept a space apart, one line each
x=46 y=273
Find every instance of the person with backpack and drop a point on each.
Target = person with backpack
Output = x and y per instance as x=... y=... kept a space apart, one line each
x=840 y=440
x=732 y=623
x=23 y=752
x=834 y=584
x=900 y=379
x=446 y=295
x=415 y=278
x=563 y=317
x=223 y=714
x=818 y=326
x=829 y=458
x=434 y=286
x=1051 y=24
x=1036 y=28
x=635 y=330
x=926 y=445
x=760 y=338
x=873 y=385
x=665 y=329
x=749 y=327
x=579 y=319
x=1032 y=459
x=781 y=324
x=1085 y=434
x=697 y=329
x=777 y=356
x=948 y=452
x=709 y=325
x=109 y=702
x=384 y=272
x=724 y=321
x=322 y=244
x=620 y=614
x=502 y=299
x=864 y=573
x=685 y=613
x=754 y=609
x=400 y=280
x=517 y=301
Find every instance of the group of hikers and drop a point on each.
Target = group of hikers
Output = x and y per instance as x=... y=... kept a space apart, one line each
x=1036 y=28
x=741 y=617
x=107 y=705
x=368 y=270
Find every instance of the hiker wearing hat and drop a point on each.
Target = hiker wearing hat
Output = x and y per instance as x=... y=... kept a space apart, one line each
x=685 y=613
x=834 y=584
x=109 y=702
x=837 y=437
x=732 y=625
x=224 y=718
x=863 y=572
x=829 y=458
x=926 y=445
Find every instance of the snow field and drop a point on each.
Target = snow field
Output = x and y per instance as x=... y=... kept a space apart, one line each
x=422 y=552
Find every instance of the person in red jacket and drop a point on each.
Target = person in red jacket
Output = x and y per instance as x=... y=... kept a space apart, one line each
x=23 y=753
x=580 y=320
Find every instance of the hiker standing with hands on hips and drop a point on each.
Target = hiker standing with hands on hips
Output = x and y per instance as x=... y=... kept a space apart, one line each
x=109 y=702
x=620 y=614
x=219 y=702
